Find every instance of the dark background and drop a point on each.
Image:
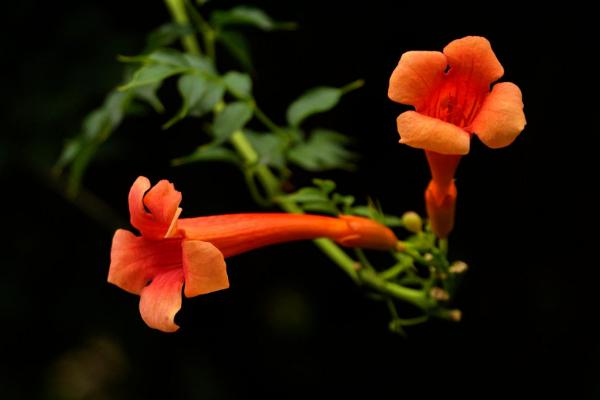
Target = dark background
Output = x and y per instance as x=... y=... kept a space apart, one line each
x=293 y=325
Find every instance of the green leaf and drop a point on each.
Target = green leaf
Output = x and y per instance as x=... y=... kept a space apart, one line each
x=147 y=93
x=233 y=117
x=308 y=195
x=270 y=148
x=152 y=74
x=200 y=63
x=209 y=153
x=372 y=212
x=96 y=128
x=343 y=202
x=321 y=207
x=314 y=101
x=326 y=185
x=192 y=88
x=237 y=45
x=238 y=84
x=168 y=57
x=243 y=15
x=213 y=94
x=324 y=150
x=166 y=35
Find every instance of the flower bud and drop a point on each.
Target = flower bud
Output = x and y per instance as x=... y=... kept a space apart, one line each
x=439 y=294
x=412 y=222
x=458 y=267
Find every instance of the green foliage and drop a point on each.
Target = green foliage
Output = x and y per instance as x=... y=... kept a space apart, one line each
x=96 y=128
x=316 y=100
x=238 y=84
x=375 y=213
x=233 y=117
x=237 y=45
x=244 y=16
x=192 y=88
x=323 y=150
x=209 y=153
x=270 y=148
x=165 y=35
x=213 y=95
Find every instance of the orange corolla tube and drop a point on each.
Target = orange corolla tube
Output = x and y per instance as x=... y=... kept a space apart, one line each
x=175 y=253
x=450 y=91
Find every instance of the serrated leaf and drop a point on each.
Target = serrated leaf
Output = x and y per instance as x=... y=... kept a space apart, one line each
x=233 y=117
x=192 y=88
x=243 y=15
x=324 y=150
x=209 y=153
x=213 y=94
x=237 y=45
x=363 y=211
x=307 y=195
x=147 y=93
x=375 y=214
x=200 y=63
x=326 y=185
x=270 y=148
x=168 y=57
x=152 y=74
x=345 y=201
x=96 y=128
x=316 y=100
x=165 y=35
x=321 y=207
x=238 y=84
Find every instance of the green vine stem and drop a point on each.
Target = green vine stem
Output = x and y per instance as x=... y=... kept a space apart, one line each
x=179 y=15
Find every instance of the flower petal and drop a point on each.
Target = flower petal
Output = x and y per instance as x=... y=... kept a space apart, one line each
x=153 y=210
x=161 y=299
x=473 y=57
x=428 y=133
x=417 y=75
x=204 y=268
x=501 y=117
x=135 y=260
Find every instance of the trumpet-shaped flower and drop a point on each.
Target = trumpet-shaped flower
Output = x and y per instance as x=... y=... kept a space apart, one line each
x=175 y=253
x=453 y=100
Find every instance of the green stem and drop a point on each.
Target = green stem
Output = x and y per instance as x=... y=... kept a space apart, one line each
x=262 y=117
x=444 y=246
x=352 y=86
x=266 y=177
x=179 y=15
x=417 y=297
x=271 y=185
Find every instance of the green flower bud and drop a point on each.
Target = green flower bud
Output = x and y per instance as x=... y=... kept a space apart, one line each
x=412 y=222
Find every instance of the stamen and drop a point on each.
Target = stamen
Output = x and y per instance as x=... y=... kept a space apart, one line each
x=171 y=229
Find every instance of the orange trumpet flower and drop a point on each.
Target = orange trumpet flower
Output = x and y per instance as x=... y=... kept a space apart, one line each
x=174 y=253
x=452 y=98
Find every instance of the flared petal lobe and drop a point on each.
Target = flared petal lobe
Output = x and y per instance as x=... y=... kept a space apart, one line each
x=423 y=132
x=416 y=77
x=501 y=117
x=204 y=268
x=473 y=59
x=161 y=300
x=134 y=260
x=154 y=210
